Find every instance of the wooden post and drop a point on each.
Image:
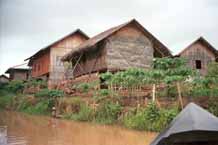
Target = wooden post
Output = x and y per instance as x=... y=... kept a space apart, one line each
x=153 y=92
x=179 y=93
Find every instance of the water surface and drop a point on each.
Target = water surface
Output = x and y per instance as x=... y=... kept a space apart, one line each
x=22 y=129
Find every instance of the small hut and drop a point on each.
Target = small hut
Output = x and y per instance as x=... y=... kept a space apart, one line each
x=193 y=126
x=18 y=73
x=118 y=48
x=199 y=54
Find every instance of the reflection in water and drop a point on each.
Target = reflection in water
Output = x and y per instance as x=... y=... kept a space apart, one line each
x=24 y=129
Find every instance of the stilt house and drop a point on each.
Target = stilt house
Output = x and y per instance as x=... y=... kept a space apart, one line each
x=121 y=47
x=46 y=63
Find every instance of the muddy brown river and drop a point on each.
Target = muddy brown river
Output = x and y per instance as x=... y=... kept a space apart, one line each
x=21 y=129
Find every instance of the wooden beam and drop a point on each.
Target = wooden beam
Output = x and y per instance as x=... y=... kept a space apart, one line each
x=77 y=62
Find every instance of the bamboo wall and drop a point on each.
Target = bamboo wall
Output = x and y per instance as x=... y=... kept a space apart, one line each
x=129 y=47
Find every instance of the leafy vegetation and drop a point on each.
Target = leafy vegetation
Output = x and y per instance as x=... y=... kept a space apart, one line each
x=15 y=86
x=170 y=78
x=47 y=93
x=85 y=113
x=108 y=112
x=36 y=83
x=151 y=118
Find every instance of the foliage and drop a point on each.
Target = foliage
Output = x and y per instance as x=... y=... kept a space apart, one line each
x=36 y=83
x=6 y=99
x=108 y=112
x=213 y=106
x=15 y=86
x=209 y=92
x=152 y=112
x=86 y=87
x=42 y=107
x=206 y=85
x=150 y=118
x=105 y=95
x=213 y=70
x=136 y=121
x=23 y=104
x=49 y=93
x=85 y=114
x=107 y=77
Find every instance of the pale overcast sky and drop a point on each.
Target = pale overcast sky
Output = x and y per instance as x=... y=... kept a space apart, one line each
x=28 y=25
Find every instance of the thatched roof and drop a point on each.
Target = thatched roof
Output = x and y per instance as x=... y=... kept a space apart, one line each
x=205 y=43
x=98 y=38
x=52 y=44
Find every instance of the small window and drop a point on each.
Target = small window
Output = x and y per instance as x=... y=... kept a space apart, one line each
x=198 y=64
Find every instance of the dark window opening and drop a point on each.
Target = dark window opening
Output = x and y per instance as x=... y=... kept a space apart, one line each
x=198 y=64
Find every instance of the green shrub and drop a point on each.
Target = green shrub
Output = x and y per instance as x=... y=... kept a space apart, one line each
x=198 y=92
x=150 y=118
x=6 y=98
x=85 y=87
x=42 y=107
x=213 y=106
x=42 y=93
x=76 y=103
x=23 y=105
x=152 y=112
x=49 y=93
x=36 y=83
x=3 y=86
x=108 y=112
x=136 y=121
x=166 y=116
x=85 y=114
x=15 y=86
x=102 y=95
x=6 y=101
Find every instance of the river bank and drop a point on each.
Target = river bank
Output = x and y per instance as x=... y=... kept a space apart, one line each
x=35 y=130
x=108 y=111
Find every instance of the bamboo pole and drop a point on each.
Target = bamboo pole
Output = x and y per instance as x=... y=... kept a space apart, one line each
x=154 y=93
x=180 y=94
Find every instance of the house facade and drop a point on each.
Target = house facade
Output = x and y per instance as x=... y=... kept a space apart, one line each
x=22 y=74
x=199 y=54
x=46 y=63
x=125 y=46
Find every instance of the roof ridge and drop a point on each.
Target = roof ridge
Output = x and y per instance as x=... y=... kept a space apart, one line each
x=101 y=36
x=213 y=49
x=58 y=40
